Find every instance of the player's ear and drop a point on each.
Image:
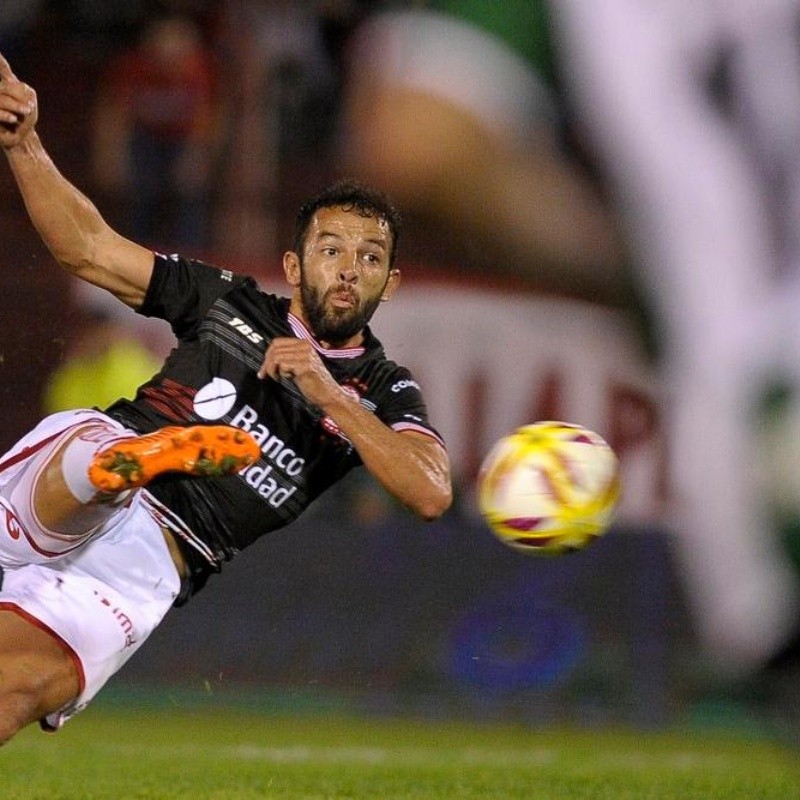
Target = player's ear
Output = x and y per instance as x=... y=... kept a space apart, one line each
x=291 y=268
x=391 y=285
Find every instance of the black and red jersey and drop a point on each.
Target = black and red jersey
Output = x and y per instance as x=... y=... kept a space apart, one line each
x=223 y=323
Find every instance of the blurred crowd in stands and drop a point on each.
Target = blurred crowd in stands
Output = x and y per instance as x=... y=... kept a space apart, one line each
x=194 y=106
x=210 y=119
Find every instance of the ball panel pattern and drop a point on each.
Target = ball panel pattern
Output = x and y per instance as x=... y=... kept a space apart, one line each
x=549 y=488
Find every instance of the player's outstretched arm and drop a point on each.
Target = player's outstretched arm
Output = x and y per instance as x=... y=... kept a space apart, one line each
x=69 y=224
x=413 y=467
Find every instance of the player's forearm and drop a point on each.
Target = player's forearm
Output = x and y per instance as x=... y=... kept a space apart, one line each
x=413 y=469
x=68 y=223
x=418 y=476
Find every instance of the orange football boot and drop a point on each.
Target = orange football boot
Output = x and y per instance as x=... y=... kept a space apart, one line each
x=203 y=450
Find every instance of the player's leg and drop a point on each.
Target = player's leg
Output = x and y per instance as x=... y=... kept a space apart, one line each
x=64 y=500
x=38 y=674
x=85 y=478
x=413 y=129
x=46 y=498
x=80 y=619
x=65 y=481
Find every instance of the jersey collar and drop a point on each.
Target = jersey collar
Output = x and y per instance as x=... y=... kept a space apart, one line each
x=302 y=332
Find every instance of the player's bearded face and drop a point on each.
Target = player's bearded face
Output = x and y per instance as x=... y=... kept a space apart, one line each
x=331 y=322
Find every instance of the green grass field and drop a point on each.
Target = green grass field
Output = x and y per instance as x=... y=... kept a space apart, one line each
x=111 y=753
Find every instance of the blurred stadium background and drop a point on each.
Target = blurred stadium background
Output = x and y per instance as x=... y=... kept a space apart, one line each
x=357 y=604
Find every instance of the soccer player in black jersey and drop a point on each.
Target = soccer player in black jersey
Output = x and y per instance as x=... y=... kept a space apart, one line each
x=109 y=518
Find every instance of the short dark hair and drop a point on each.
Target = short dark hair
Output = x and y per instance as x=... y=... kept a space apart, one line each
x=352 y=196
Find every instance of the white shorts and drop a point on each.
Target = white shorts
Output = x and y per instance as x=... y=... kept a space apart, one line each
x=102 y=600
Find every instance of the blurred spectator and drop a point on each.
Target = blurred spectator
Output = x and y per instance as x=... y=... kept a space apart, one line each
x=113 y=352
x=284 y=104
x=156 y=134
x=102 y=365
x=454 y=109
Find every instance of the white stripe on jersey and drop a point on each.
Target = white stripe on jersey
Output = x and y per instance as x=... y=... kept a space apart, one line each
x=176 y=525
x=410 y=426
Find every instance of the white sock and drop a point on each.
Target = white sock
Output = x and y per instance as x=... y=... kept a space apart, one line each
x=78 y=455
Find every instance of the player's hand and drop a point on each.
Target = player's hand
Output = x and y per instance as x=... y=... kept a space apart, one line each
x=18 y=107
x=298 y=361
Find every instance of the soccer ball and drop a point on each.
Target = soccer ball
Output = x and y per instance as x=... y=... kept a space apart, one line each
x=549 y=488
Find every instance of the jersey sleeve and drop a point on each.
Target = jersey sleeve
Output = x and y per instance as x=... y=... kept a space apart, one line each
x=403 y=407
x=182 y=290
